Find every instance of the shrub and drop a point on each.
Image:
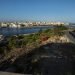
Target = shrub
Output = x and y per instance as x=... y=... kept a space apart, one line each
x=21 y=36
x=11 y=43
x=3 y=50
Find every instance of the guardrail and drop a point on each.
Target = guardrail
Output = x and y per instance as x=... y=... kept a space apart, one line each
x=71 y=36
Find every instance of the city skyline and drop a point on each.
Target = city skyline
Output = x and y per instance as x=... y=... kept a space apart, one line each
x=37 y=10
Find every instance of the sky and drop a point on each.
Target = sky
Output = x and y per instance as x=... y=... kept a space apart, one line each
x=37 y=10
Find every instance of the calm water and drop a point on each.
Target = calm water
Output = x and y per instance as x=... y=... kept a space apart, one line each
x=15 y=31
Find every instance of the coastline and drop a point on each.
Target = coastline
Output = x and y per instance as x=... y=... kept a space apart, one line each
x=30 y=26
x=25 y=30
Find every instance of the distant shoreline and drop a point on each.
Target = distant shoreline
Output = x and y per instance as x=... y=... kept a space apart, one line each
x=29 y=26
x=23 y=30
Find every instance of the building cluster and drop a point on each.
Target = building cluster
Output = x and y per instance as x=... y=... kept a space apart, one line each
x=29 y=24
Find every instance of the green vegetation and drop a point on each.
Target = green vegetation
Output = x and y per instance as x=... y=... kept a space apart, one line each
x=59 y=30
x=21 y=41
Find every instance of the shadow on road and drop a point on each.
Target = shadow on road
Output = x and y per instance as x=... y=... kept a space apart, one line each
x=49 y=59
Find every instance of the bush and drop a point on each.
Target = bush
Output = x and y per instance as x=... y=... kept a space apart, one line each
x=11 y=43
x=21 y=36
x=21 y=43
x=3 y=50
x=60 y=28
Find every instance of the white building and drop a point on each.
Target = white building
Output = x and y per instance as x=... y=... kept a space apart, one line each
x=13 y=25
x=3 y=25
